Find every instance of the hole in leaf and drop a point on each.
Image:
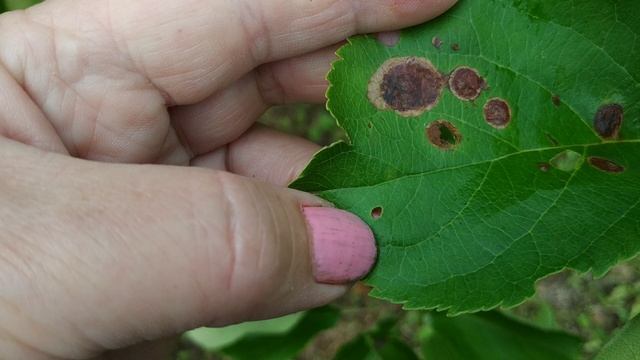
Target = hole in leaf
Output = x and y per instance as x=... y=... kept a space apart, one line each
x=436 y=42
x=608 y=121
x=605 y=165
x=555 y=99
x=410 y=86
x=497 y=113
x=376 y=213
x=466 y=84
x=455 y=47
x=443 y=135
x=567 y=160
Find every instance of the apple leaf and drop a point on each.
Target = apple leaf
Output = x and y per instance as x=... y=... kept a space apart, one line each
x=489 y=148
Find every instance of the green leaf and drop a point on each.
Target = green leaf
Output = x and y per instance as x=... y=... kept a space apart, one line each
x=212 y=339
x=381 y=343
x=470 y=212
x=494 y=336
x=625 y=344
x=286 y=345
x=20 y=4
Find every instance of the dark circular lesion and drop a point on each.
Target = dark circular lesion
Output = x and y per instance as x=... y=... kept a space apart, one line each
x=497 y=113
x=443 y=135
x=605 y=165
x=608 y=120
x=410 y=86
x=466 y=84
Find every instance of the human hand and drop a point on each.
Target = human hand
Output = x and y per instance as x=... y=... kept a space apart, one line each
x=98 y=255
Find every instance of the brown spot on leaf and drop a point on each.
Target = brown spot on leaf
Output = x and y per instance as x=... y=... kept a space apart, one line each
x=466 y=84
x=608 y=121
x=497 y=113
x=552 y=139
x=605 y=165
x=443 y=135
x=376 y=212
x=436 y=42
x=455 y=47
x=555 y=99
x=409 y=85
x=544 y=167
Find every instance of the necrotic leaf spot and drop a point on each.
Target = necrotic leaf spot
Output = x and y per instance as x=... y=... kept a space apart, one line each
x=443 y=135
x=605 y=165
x=497 y=113
x=466 y=84
x=410 y=86
x=544 y=167
x=608 y=121
x=436 y=42
x=376 y=213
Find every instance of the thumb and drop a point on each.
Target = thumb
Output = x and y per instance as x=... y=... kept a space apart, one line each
x=105 y=255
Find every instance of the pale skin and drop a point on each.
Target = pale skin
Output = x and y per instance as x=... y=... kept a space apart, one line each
x=99 y=252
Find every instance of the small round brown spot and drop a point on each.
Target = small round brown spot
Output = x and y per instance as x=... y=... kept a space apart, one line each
x=555 y=99
x=605 y=165
x=436 y=42
x=544 y=167
x=443 y=135
x=410 y=86
x=497 y=113
x=455 y=47
x=466 y=84
x=376 y=212
x=608 y=121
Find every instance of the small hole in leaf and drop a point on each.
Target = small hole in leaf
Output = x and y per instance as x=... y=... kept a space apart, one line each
x=497 y=113
x=443 y=135
x=455 y=47
x=369 y=125
x=608 y=121
x=376 y=213
x=555 y=99
x=436 y=42
x=605 y=165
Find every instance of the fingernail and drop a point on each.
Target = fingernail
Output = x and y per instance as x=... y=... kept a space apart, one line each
x=343 y=248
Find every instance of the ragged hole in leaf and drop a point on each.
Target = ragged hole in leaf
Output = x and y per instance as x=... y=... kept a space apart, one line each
x=497 y=113
x=567 y=160
x=443 y=135
x=608 y=121
x=605 y=165
x=455 y=47
x=376 y=212
x=409 y=85
x=466 y=84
